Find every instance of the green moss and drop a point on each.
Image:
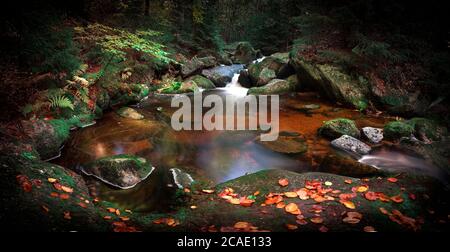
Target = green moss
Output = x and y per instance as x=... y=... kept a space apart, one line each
x=337 y=127
x=62 y=129
x=427 y=128
x=396 y=130
x=202 y=82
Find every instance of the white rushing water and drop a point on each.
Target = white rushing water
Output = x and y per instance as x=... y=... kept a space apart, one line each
x=234 y=88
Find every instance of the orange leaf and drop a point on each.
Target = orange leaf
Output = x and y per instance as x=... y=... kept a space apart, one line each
x=291 y=227
x=52 y=180
x=362 y=188
x=369 y=229
x=283 y=182
x=242 y=225
x=302 y=194
x=292 y=208
x=66 y=189
x=64 y=196
x=291 y=194
x=383 y=210
x=397 y=199
x=234 y=201
x=281 y=204
x=246 y=202
x=392 y=180
x=371 y=196
x=317 y=220
x=348 y=204
x=111 y=210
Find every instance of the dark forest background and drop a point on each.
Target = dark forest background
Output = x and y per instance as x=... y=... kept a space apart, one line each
x=405 y=42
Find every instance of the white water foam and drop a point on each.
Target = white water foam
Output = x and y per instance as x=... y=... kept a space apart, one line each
x=234 y=88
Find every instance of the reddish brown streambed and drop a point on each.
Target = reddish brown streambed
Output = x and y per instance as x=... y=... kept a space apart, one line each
x=213 y=155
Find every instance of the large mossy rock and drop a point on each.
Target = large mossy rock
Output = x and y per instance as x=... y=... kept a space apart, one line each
x=130 y=113
x=202 y=82
x=122 y=171
x=397 y=130
x=427 y=130
x=333 y=82
x=421 y=128
x=128 y=93
x=274 y=219
x=222 y=75
x=47 y=137
x=337 y=127
x=275 y=86
x=27 y=204
x=244 y=53
x=263 y=72
x=195 y=65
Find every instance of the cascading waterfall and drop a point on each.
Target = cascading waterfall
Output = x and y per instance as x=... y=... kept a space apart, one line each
x=234 y=88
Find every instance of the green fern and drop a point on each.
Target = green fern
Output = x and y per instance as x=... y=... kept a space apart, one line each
x=60 y=101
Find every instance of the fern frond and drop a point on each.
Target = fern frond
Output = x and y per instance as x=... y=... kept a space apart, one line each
x=60 y=101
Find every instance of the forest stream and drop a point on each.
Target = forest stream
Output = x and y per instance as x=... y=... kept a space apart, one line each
x=220 y=156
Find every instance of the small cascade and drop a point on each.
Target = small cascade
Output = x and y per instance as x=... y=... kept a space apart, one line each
x=234 y=88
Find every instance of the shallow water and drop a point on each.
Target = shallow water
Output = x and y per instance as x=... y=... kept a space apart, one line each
x=215 y=156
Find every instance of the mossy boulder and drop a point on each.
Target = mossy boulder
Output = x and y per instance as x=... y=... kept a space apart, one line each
x=122 y=171
x=337 y=127
x=130 y=113
x=244 y=53
x=27 y=204
x=187 y=86
x=426 y=129
x=47 y=137
x=128 y=93
x=222 y=75
x=275 y=86
x=397 y=130
x=202 y=82
x=333 y=82
x=196 y=65
x=263 y=72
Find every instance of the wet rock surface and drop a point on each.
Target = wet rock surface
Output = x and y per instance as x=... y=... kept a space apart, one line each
x=375 y=135
x=122 y=171
x=337 y=127
x=221 y=75
x=351 y=144
x=130 y=113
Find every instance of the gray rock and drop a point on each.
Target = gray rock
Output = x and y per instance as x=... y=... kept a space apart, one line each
x=351 y=144
x=180 y=178
x=121 y=171
x=130 y=113
x=275 y=86
x=222 y=75
x=375 y=135
x=197 y=64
